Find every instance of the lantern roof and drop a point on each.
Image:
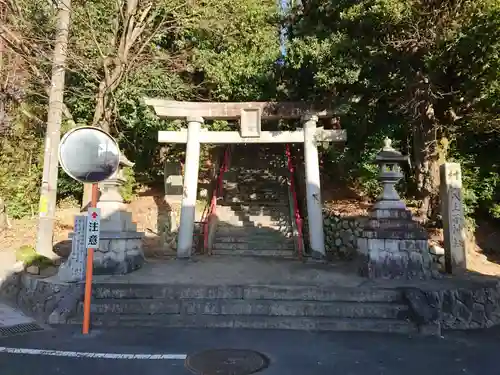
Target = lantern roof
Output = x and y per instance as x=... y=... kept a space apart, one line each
x=389 y=154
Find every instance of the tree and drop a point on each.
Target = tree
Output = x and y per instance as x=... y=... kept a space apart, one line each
x=425 y=70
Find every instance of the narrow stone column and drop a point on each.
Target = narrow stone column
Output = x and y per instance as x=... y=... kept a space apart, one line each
x=313 y=189
x=190 y=188
x=452 y=211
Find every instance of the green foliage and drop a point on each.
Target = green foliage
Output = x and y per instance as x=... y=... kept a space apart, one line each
x=129 y=188
x=235 y=49
x=481 y=175
x=20 y=170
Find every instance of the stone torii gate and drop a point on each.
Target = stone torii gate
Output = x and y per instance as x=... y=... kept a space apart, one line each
x=250 y=115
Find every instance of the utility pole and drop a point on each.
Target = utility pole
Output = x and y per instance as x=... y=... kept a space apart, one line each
x=48 y=194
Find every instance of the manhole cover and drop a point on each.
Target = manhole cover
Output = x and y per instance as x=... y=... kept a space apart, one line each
x=226 y=362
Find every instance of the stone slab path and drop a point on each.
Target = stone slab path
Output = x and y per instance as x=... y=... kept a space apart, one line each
x=229 y=270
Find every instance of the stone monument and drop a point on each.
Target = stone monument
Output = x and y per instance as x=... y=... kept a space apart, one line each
x=120 y=248
x=73 y=268
x=453 y=218
x=392 y=244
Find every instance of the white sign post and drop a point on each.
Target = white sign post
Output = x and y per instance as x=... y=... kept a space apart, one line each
x=93 y=228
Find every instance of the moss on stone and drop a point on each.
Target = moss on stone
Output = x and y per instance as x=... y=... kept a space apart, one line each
x=28 y=255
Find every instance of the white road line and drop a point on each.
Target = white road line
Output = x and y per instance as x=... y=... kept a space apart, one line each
x=60 y=353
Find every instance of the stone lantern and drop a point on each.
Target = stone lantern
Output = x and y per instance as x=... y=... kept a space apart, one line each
x=110 y=199
x=389 y=161
x=392 y=244
x=120 y=248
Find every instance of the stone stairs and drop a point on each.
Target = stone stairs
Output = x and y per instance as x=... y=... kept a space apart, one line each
x=254 y=212
x=251 y=306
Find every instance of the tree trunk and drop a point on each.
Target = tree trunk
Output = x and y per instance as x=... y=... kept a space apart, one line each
x=426 y=169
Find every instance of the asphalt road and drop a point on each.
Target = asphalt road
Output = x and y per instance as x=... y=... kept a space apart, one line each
x=290 y=353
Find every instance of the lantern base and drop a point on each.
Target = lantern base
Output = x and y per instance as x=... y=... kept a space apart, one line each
x=392 y=245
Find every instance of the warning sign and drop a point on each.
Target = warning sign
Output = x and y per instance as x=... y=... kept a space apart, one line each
x=93 y=228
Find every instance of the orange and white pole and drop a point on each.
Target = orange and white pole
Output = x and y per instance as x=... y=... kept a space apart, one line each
x=88 y=272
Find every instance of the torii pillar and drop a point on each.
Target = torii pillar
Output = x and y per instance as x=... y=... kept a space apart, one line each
x=190 y=188
x=313 y=189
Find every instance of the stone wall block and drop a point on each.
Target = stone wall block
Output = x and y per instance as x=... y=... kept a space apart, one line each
x=362 y=245
x=104 y=245
x=466 y=296
x=406 y=245
x=118 y=245
x=120 y=256
x=422 y=245
x=134 y=243
x=368 y=234
x=380 y=214
x=391 y=246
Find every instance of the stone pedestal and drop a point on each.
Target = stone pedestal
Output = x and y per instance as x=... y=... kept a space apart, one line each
x=118 y=253
x=392 y=245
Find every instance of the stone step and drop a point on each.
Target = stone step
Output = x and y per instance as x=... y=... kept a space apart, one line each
x=270 y=224
x=256 y=187
x=253 y=245
x=266 y=251
x=267 y=204
x=237 y=217
x=254 y=208
x=252 y=216
x=238 y=179
x=249 y=215
x=250 y=307
x=259 y=292
x=256 y=238
x=247 y=201
x=254 y=191
x=263 y=223
x=253 y=197
x=248 y=231
x=252 y=322
x=253 y=168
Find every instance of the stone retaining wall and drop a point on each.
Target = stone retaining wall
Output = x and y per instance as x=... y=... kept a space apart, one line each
x=341 y=235
x=468 y=307
x=43 y=299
